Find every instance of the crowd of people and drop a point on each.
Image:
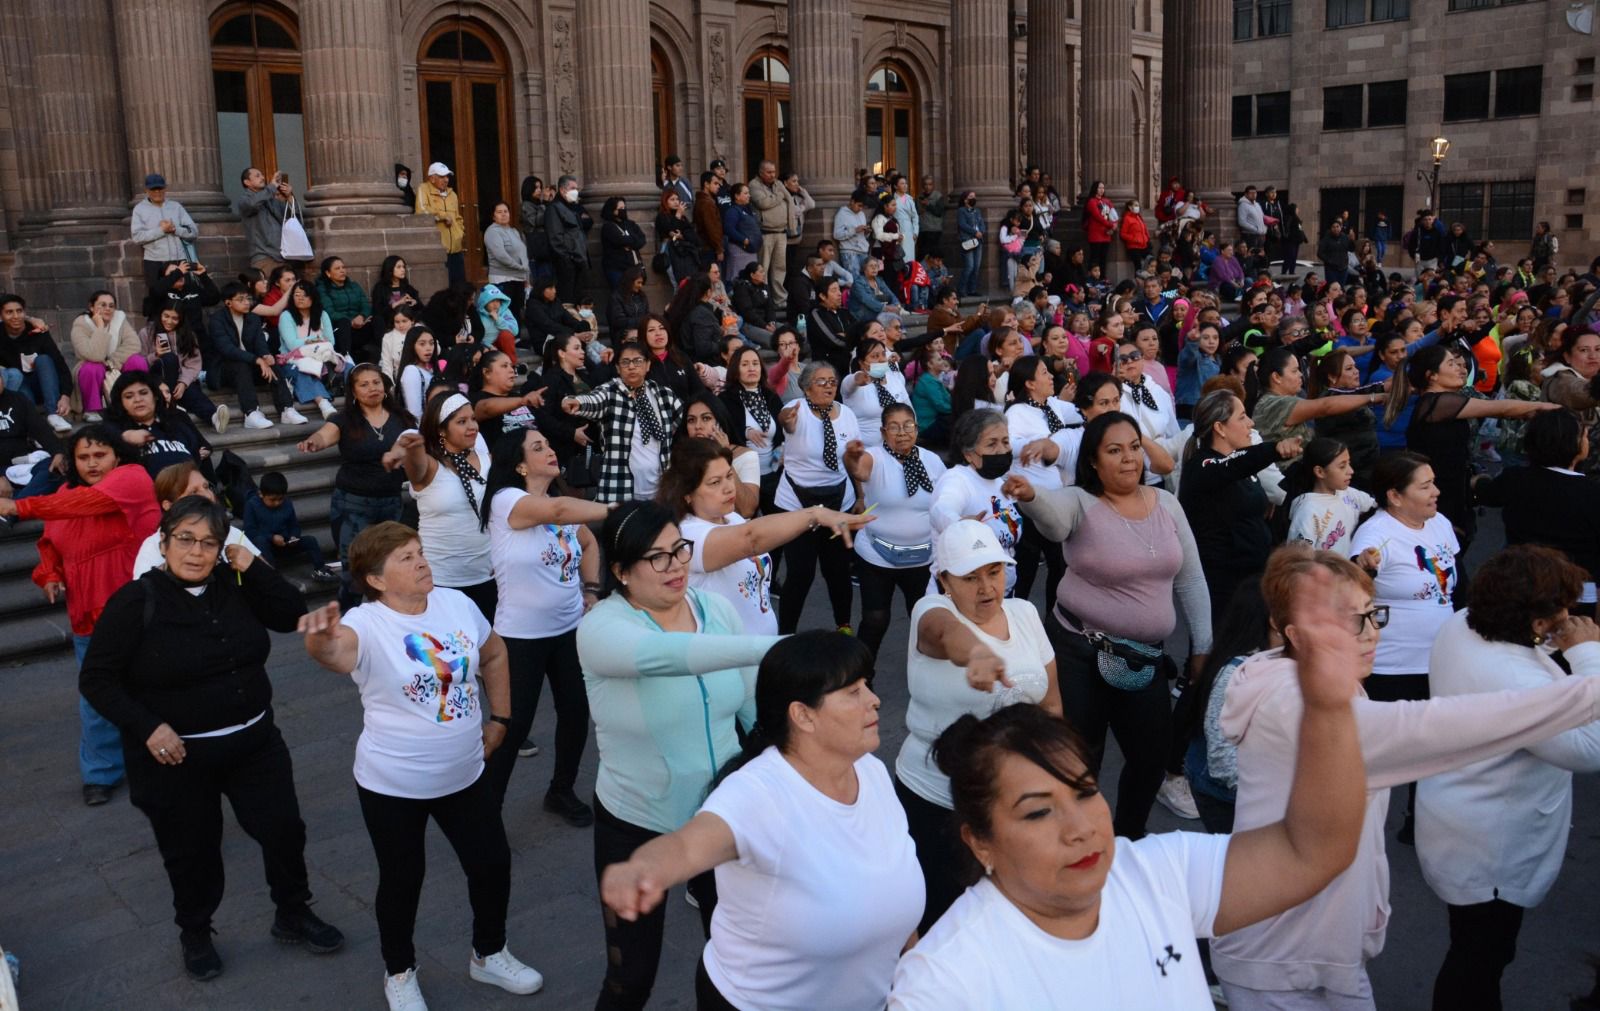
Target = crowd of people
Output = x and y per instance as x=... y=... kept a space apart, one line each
x=1251 y=494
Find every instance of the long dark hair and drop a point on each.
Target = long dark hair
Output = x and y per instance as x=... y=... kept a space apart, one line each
x=386 y=271
x=504 y=458
x=408 y=351
x=184 y=340
x=313 y=314
x=689 y=294
x=628 y=534
x=1300 y=477
x=1094 y=433
x=804 y=668
x=353 y=419
x=1021 y=373
x=114 y=410
x=105 y=436
x=971 y=385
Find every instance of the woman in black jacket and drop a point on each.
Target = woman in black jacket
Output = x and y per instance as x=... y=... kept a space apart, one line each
x=546 y=317
x=178 y=663
x=566 y=375
x=676 y=232
x=627 y=305
x=694 y=320
x=752 y=299
x=669 y=366
x=392 y=290
x=620 y=240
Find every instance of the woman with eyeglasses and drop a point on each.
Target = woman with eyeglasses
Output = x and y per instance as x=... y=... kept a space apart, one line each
x=639 y=419
x=668 y=670
x=1149 y=405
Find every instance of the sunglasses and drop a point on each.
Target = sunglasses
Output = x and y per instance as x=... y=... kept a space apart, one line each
x=1131 y=356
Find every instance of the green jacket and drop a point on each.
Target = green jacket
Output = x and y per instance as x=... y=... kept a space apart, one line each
x=344 y=301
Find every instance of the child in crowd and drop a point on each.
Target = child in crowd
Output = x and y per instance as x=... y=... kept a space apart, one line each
x=271 y=524
x=395 y=341
x=1197 y=363
x=1326 y=516
x=419 y=364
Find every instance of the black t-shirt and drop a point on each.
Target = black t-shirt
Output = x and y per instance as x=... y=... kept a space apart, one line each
x=361 y=470
x=22 y=426
x=519 y=420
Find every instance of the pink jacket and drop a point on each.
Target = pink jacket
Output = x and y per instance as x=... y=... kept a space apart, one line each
x=1327 y=940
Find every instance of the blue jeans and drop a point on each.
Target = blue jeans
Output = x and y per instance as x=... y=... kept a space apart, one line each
x=348 y=515
x=919 y=297
x=42 y=385
x=852 y=262
x=100 y=746
x=43 y=482
x=307 y=388
x=971 y=264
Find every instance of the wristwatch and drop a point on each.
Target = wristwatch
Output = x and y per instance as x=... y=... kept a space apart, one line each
x=504 y=721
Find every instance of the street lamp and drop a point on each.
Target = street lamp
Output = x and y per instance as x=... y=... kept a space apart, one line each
x=1439 y=147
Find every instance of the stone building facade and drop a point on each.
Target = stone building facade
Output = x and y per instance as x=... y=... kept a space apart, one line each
x=1352 y=92
x=96 y=93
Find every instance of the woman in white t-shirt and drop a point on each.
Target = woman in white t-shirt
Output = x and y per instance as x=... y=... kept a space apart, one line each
x=420 y=656
x=445 y=464
x=731 y=553
x=818 y=890
x=897 y=480
x=980 y=458
x=963 y=639
x=1066 y=915
x=180 y=480
x=705 y=417
x=547 y=569
x=1045 y=435
x=1324 y=510
x=872 y=387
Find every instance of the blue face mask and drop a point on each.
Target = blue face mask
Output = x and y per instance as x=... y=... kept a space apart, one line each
x=878 y=370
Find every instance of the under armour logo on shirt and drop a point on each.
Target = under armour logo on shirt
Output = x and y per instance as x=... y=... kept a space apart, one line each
x=1172 y=956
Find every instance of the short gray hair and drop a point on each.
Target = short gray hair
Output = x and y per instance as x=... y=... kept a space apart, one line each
x=887 y=319
x=809 y=373
x=969 y=431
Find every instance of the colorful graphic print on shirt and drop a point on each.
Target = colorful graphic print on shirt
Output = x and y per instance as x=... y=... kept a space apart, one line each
x=1437 y=590
x=753 y=585
x=563 y=553
x=1328 y=529
x=1006 y=522
x=444 y=680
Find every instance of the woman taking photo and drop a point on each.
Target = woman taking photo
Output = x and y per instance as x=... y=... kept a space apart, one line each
x=803 y=820
x=679 y=241
x=172 y=350
x=972 y=651
x=639 y=419
x=103 y=344
x=817 y=433
x=667 y=670
x=178 y=664
x=753 y=410
x=92 y=531
x=1129 y=549
x=547 y=572
x=872 y=385
x=897 y=477
x=421 y=655
x=159 y=435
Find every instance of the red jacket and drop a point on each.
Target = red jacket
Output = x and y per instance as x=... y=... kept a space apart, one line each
x=91 y=536
x=1097 y=219
x=1133 y=231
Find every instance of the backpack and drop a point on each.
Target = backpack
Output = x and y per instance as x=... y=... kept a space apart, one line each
x=1408 y=241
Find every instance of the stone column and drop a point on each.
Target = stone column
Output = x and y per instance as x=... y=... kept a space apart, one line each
x=1050 y=135
x=1107 y=96
x=613 y=49
x=980 y=121
x=1207 y=151
x=168 y=102
x=80 y=116
x=1176 y=21
x=826 y=93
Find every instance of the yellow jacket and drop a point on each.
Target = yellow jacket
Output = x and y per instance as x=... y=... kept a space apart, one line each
x=446 y=210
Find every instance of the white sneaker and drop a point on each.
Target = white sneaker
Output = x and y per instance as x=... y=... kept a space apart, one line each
x=528 y=750
x=92 y=417
x=326 y=407
x=1175 y=797
x=255 y=419
x=60 y=424
x=504 y=971
x=290 y=416
x=403 y=992
x=220 y=420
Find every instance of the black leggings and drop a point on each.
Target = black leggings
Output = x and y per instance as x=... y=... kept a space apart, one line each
x=487 y=596
x=470 y=820
x=633 y=950
x=1031 y=549
x=1399 y=688
x=706 y=995
x=878 y=584
x=531 y=662
x=1140 y=720
x=940 y=852
x=769 y=505
x=1483 y=941
x=805 y=554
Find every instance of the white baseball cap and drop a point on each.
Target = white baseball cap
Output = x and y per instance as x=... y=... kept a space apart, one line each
x=967 y=546
x=438 y=168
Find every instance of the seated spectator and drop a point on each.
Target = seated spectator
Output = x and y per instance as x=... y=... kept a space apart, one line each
x=347 y=306
x=270 y=521
x=104 y=343
x=25 y=338
x=158 y=435
x=173 y=353
x=870 y=294
x=394 y=341
x=244 y=353
x=24 y=434
x=627 y=306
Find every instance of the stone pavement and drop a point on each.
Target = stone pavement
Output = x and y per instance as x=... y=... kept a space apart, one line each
x=85 y=904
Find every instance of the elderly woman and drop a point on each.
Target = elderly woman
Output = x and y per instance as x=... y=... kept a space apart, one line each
x=178 y=664
x=803 y=821
x=92 y=530
x=667 y=673
x=639 y=419
x=872 y=386
x=159 y=435
x=871 y=294
x=972 y=650
x=421 y=656
x=104 y=343
x=1062 y=897
x=974 y=485
x=817 y=433
x=1129 y=549
x=897 y=477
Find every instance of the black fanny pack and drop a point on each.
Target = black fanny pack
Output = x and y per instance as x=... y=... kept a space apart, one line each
x=828 y=497
x=1126 y=664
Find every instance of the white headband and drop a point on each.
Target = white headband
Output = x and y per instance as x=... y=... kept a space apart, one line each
x=453 y=403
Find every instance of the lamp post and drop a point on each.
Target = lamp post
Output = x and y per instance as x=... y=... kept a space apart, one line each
x=1439 y=147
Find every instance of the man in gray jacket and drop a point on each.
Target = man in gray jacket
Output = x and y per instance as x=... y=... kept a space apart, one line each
x=775 y=209
x=163 y=228
x=262 y=208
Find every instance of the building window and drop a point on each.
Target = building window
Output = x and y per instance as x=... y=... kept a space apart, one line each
x=1261 y=18
x=1478 y=5
x=891 y=122
x=1577 y=196
x=1585 y=65
x=1341 y=107
x=255 y=79
x=1386 y=103
x=1362 y=205
x=1466 y=96
x=1583 y=92
x=1343 y=13
x=661 y=109
x=1462 y=202
x=1391 y=10
x=1335 y=202
x=1244 y=107
x=1510 y=210
x=1575 y=222
x=767 y=125
x=1271 y=114
x=1517 y=91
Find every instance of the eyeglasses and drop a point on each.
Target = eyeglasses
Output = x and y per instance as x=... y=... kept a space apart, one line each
x=826 y=384
x=1378 y=616
x=631 y=363
x=680 y=553
x=1131 y=356
x=903 y=428
x=187 y=542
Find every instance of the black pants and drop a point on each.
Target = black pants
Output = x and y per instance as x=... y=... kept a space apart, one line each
x=251 y=768
x=706 y=995
x=1399 y=688
x=470 y=820
x=1141 y=722
x=878 y=584
x=633 y=950
x=1031 y=549
x=532 y=661
x=570 y=279
x=164 y=369
x=1483 y=941
x=307 y=545
x=1097 y=255
x=805 y=554
x=243 y=376
x=768 y=506
x=487 y=596
x=944 y=858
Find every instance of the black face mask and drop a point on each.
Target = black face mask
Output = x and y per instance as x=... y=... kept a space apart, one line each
x=994 y=465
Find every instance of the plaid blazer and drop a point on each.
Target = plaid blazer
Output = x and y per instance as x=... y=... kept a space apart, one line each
x=612 y=405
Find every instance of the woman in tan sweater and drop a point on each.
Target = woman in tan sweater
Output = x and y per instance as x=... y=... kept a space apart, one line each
x=103 y=342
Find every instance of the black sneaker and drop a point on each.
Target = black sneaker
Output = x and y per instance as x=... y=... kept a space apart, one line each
x=324 y=575
x=200 y=958
x=95 y=794
x=566 y=804
x=302 y=926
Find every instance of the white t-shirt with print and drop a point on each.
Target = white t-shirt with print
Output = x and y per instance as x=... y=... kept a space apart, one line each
x=744 y=584
x=536 y=572
x=1162 y=893
x=422 y=723
x=823 y=896
x=1416 y=577
x=963 y=493
x=1327 y=521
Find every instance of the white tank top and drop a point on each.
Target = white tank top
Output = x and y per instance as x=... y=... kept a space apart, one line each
x=457 y=551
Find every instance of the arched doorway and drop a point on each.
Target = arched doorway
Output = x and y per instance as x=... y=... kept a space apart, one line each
x=766 y=111
x=464 y=84
x=255 y=77
x=661 y=108
x=891 y=122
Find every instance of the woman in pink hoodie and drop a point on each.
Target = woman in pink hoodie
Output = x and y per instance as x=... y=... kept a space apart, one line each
x=1315 y=954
